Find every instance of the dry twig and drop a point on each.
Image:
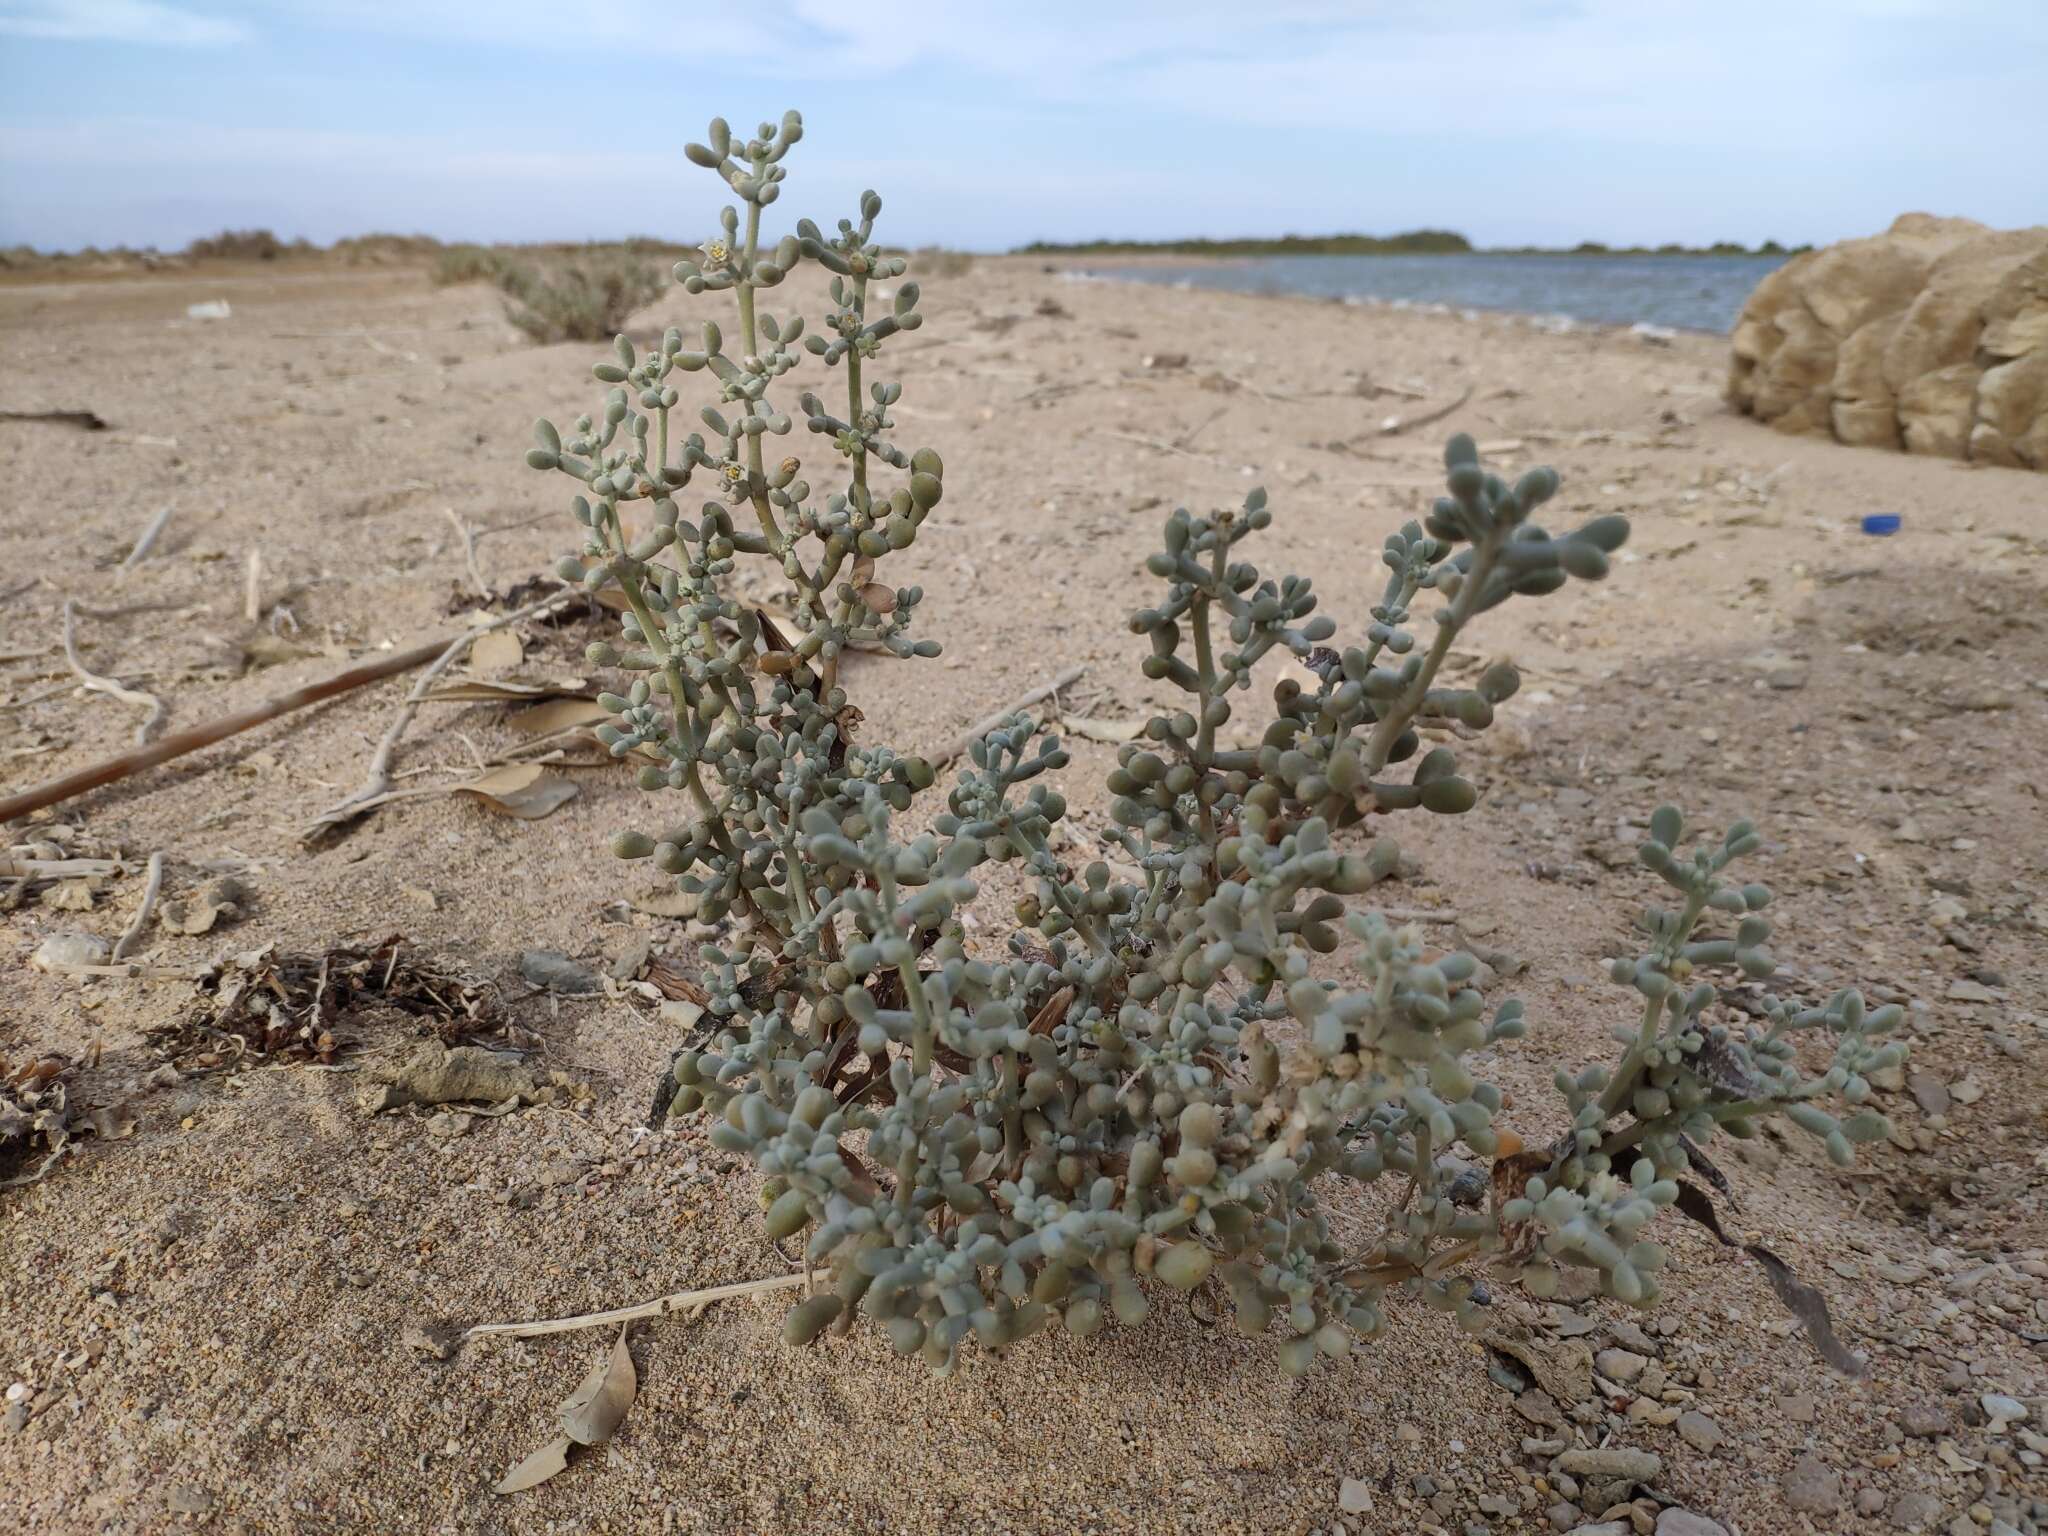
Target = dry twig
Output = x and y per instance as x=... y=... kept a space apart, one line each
x=378 y=783
x=148 y=540
x=55 y=791
x=150 y=889
x=107 y=685
x=692 y=1302
x=462 y=532
x=1395 y=424
x=982 y=727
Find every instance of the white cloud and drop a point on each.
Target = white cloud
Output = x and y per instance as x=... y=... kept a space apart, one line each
x=117 y=21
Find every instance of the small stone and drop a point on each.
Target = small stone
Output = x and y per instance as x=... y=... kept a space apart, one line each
x=1914 y=1510
x=1622 y=1365
x=1699 y=1431
x=2002 y=1410
x=553 y=971
x=1800 y=1409
x=1929 y=1092
x=62 y=952
x=1924 y=1419
x=1629 y=1336
x=1613 y=1461
x=1869 y=1501
x=16 y=1419
x=1354 y=1496
x=1408 y=1434
x=1812 y=1488
x=1683 y=1522
x=1562 y=1516
x=1968 y=1091
x=1967 y=991
x=1602 y=1528
x=437 y=1341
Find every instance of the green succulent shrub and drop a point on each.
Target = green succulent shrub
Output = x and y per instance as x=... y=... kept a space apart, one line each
x=1151 y=1084
x=588 y=298
x=471 y=264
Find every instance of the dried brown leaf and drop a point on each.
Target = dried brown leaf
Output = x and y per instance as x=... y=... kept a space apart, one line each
x=537 y=1468
x=666 y=901
x=268 y=650
x=555 y=716
x=525 y=790
x=497 y=651
x=593 y=1412
x=508 y=690
x=1805 y=1303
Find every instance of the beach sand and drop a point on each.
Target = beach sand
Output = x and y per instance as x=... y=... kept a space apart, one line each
x=209 y=1317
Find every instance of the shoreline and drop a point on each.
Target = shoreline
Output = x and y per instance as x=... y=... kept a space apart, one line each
x=1553 y=322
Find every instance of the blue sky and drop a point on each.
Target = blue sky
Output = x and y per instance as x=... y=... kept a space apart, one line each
x=985 y=125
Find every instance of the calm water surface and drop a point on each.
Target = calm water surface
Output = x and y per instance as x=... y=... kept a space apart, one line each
x=1693 y=293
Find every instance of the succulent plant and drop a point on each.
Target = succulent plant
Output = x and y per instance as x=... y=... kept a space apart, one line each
x=1150 y=1085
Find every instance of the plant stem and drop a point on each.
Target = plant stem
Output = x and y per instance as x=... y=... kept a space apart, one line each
x=1380 y=745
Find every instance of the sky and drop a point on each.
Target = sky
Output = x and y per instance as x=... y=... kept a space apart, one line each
x=988 y=123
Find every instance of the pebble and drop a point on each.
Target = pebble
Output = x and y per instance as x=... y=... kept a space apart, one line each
x=1869 y=1501
x=1800 y=1410
x=1812 y=1488
x=1622 y=1365
x=16 y=1419
x=1924 y=1419
x=1683 y=1522
x=1929 y=1092
x=1914 y=1510
x=2002 y=1410
x=1615 y=1461
x=1698 y=1431
x=554 y=971
x=1602 y=1528
x=1562 y=1516
x=1354 y=1496
x=66 y=951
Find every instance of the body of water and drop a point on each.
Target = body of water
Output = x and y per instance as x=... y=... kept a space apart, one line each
x=1691 y=293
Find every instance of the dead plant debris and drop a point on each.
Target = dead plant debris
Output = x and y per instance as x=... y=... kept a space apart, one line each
x=265 y=1003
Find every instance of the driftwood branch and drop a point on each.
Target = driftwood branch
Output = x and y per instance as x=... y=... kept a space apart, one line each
x=982 y=727
x=113 y=770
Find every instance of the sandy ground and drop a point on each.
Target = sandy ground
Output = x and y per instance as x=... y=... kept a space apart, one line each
x=207 y=1320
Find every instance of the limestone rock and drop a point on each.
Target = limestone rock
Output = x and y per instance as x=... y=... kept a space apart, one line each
x=1932 y=337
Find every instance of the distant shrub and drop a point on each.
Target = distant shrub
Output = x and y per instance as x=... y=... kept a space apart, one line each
x=581 y=300
x=385 y=250
x=467 y=264
x=239 y=245
x=938 y=261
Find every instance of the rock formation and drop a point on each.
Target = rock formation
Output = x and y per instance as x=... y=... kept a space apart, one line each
x=1931 y=337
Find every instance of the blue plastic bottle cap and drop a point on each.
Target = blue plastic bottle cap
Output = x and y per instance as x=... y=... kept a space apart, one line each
x=1881 y=523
